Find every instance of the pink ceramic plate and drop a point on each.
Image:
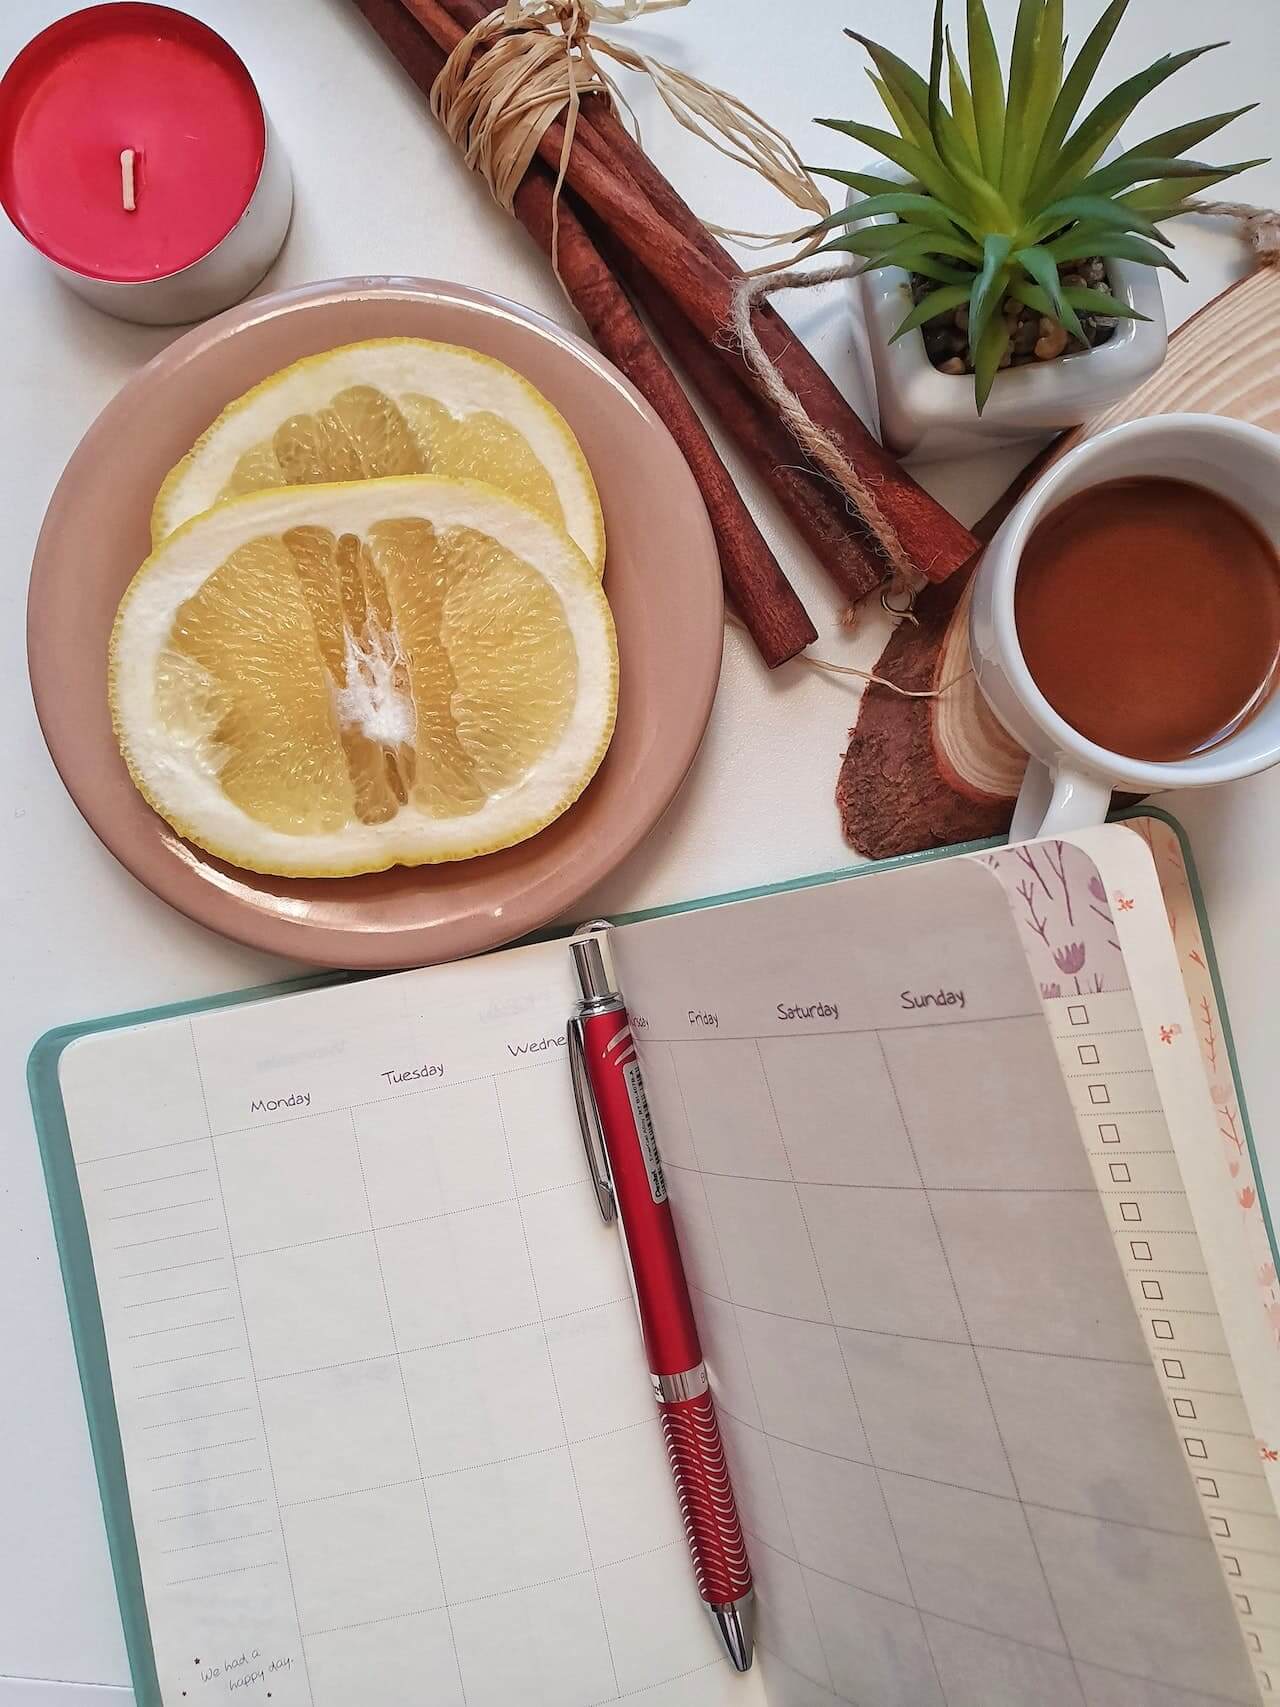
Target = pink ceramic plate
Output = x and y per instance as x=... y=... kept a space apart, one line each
x=662 y=578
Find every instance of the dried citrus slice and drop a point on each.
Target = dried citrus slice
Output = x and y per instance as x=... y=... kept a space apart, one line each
x=322 y=680
x=391 y=406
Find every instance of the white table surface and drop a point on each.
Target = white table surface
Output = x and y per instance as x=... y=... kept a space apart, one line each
x=380 y=190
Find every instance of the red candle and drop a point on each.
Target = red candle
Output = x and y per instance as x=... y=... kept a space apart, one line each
x=135 y=152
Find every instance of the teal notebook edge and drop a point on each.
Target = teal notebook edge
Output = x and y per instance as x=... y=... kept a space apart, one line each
x=72 y=1237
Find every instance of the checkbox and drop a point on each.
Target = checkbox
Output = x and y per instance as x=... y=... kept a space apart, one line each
x=1220 y=1527
x=1120 y=1173
x=1244 y=1603
x=1088 y=1053
x=1099 y=1094
x=1109 y=1132
x=1254 y=1643
x=1130 y=1212
x=1184 y=1408
x=1230 y=1564
x=1175 y=1372
x=1141 y=1250
x=1078 y=1014
x=1161 y=1329
x=1207 y=1486
x=1196 y=1448
x=1153 y=1289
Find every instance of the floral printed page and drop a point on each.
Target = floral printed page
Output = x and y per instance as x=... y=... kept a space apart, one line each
x=907 y=1122
x=1238 y=1177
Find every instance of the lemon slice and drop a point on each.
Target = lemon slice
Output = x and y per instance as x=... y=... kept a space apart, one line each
x=322 y=680
x=391 y=406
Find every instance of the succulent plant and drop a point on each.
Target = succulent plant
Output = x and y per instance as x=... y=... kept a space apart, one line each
x=1005 y=186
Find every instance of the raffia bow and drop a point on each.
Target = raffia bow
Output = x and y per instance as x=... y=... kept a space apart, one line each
x=511 y=77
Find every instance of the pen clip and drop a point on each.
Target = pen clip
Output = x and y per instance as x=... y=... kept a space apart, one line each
x=589 y=1124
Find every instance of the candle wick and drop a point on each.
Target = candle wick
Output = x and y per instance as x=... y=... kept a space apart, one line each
x=128 y=181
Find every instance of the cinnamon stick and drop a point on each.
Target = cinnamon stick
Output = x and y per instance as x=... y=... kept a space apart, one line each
x=820 y=512
x=930 y=536
x=765 y=599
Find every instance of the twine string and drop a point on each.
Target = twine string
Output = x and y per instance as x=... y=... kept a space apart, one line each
x=1259 y=226
x=824 y=666
x=821 y=447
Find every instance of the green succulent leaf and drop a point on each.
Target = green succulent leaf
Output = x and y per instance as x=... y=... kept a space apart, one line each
x=962 y=103
x=909 y=89
x=988 y=289
x=1075 y=86
x=1042 y=267
x=1031 y=98
x=913 y=129
x=885 y=239
x=988 y=89
x=1167 y=198
x=1117 y=244
x=915 y=257
x=947 y=136
x=987 y=354
x=941 y=301
x=871 y=239
x=1087 y=301
x=1138 y=169
x=927 y=169
x=1108 y=215
x=1084 y=301
x=935 y=76
x=1029 y=67
x=914 y=209
x=866 y=183
x=1184 y=136
x=1095 y=133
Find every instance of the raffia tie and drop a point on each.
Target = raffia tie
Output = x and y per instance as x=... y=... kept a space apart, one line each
x=511 y=77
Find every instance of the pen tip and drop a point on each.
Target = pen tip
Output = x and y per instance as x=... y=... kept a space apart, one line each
x=734 y=1622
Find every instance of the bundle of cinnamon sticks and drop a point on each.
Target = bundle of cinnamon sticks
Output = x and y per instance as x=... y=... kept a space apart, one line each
x=619 y=227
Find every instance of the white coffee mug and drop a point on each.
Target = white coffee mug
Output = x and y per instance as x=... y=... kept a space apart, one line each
x=1069 y=780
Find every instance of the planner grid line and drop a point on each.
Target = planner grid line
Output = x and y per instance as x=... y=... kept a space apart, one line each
x=830 y=1675
x=982 y=1376
x=262 y=1421
x=1111 y=1192
x=404 y=1392
x=564 y=1423
x=853 y=1391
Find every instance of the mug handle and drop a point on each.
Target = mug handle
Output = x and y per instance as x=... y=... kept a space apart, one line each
x=1057 y=798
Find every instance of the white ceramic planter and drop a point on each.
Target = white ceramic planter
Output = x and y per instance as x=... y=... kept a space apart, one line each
x=926 y=415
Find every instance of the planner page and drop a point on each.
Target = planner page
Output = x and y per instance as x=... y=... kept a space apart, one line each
x=386 y=1421
x=957 y=1468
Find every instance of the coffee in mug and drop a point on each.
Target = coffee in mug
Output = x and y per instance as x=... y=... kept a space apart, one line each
x=1148 y=612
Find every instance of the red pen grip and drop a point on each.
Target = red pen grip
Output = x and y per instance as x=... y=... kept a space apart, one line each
x=707 y=1506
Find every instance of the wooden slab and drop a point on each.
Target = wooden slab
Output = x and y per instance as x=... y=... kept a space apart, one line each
x=925 y=773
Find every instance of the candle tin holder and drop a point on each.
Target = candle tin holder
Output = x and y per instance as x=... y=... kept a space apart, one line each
x=239 y=256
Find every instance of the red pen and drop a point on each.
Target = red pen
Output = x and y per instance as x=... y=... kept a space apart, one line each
x=626 y=1171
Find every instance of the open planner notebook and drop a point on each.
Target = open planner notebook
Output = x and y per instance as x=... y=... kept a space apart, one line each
x=979 y=1257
